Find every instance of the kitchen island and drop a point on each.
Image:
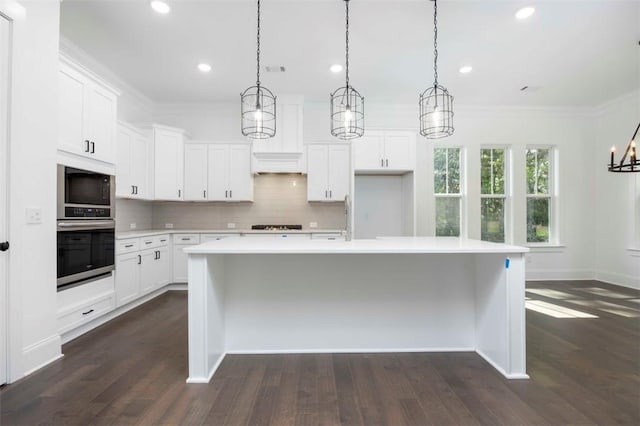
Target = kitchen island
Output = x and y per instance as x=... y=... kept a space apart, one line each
x=414 y=294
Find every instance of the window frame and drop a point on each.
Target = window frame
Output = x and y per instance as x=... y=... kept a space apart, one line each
x=507 y=196
x=461 y=195
x=551 y=195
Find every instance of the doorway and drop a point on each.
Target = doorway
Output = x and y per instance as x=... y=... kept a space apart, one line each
x=5 y=49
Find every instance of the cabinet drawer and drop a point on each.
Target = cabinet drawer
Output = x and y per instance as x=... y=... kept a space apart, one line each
x=68 y=320
x=186 y=239
x=127 y=246
x=154 y=241
x=214 y=237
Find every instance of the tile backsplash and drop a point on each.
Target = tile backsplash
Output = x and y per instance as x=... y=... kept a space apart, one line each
x=278 y=199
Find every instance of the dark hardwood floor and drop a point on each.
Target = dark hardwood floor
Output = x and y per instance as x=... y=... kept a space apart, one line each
x=133 y=369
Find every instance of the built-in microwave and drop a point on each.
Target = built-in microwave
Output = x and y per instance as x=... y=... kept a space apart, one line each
x=83 y=194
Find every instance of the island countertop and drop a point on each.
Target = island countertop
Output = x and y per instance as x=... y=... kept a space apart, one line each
x=391 y=245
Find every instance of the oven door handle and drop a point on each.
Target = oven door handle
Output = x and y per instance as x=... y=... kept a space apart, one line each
x=92 y=224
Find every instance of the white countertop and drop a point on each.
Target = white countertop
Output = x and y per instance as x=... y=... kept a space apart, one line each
x=381 y=245
x=152 y=232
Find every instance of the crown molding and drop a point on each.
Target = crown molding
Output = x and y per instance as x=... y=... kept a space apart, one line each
x=627 y=97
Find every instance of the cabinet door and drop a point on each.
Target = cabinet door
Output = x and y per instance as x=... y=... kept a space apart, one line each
x=195 y=172
x=218 y=173
x=140 y=165
x=124 y=146
x=163 y=267
x=240 y=178
x=317 y=173
x=70 y=112
x=368 y=151
x=127 y=278
x=100 y=121
x=398 y=153
x=148 y=274
x=180 y=272
x=168 y=165
x=339 y=172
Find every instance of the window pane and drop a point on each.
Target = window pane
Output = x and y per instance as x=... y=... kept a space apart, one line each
x=537 y=171
x=454 y=170
x=538 y=220
x=492 y=222
x=440 y=170
x=447 y=217
x=492 y=171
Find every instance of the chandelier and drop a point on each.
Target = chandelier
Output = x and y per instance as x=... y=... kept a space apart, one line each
x=347 y=106
x=436 y=104
x=258 y=104
x=630 y=154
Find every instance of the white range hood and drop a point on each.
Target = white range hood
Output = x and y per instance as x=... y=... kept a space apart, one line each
x=284 y=152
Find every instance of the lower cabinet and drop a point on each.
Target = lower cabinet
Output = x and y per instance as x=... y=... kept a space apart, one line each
x=139 y=272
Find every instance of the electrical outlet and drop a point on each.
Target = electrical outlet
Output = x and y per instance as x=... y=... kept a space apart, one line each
x=168 y=225
x=133 y=225
x=313 y=224
x=231 y=225
x=34 y=215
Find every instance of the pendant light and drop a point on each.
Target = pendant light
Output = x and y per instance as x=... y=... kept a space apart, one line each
x=436 y=104
x=630 y=153
x=258 y=104
x=347 y=106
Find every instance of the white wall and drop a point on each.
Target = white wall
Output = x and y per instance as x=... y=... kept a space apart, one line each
x=617 y=204
x=33 y=336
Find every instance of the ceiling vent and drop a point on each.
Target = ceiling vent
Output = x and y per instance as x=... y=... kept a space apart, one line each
x=274 y=68
x=530 y=89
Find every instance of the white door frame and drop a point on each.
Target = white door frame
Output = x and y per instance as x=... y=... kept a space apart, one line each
x=5 y=99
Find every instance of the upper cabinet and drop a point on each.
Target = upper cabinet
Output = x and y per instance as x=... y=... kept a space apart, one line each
x=132 y=165
x=218 y=172
x=168 y=175
x=385 y=152
x=87 y=113
x=284 y=152
x=328 y=172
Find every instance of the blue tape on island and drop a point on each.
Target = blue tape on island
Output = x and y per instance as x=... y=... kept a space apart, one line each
x=507 y=261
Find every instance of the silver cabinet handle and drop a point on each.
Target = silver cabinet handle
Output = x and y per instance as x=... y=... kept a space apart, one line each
x=226 y=193
x=330 y=194
x=230 y=194
x=387 y=162
x=185 y=239
x=139 y=260
x=325 y=194
x=204 y=194
x=133 y=190
x=88 y=142
x=381 y=162
x=88 y=312
x=128 y=245
x=93 y=147
x=179 y=193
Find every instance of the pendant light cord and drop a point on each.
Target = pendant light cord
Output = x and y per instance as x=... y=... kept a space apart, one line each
x=435 y=42
x=258 y=49
x=347 y=43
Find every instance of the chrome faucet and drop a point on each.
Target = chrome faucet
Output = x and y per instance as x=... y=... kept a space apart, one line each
x=347 y=214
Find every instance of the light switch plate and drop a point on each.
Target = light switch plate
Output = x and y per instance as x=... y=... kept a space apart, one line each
x=231 y=225
x=168 y=225
x=313 y=224
x=34 y=215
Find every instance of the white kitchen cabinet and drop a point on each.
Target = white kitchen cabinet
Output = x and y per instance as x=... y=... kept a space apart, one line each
x=195 y=172
x=127 y=278
x=87 y=109
x=385 y=152
x=168 y=146
x=142 y=266
x=132 y=165
x=180 y=242
x=328 y=172
x=229 y=173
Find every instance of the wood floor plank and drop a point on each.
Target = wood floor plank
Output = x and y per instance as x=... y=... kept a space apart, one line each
x=132 y=370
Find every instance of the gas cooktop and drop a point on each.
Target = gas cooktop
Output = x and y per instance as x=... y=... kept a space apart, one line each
x=277 y=227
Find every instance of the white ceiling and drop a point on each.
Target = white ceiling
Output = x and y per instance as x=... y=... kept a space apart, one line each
x=571 y=52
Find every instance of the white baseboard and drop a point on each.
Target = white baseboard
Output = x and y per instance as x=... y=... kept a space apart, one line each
x=177 y=287
x=40 y=354
x=618 y=279
x=559 y=274
x=500 y=370
x=211 y=373
x=345 y=351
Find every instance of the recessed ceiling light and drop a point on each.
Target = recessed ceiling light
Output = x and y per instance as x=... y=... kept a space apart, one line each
x=466 y=69
x=160 y=7
x=525 y=12
x=336 y=68
x=204 y=67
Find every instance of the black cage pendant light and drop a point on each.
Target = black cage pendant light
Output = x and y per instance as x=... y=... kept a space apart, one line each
x=629 y=162
x=347 y=106
x=436 y=104
x=258 y=104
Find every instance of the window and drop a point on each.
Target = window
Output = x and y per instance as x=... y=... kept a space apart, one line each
x=539 y=195
x=493 y=171
x=448 y=191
